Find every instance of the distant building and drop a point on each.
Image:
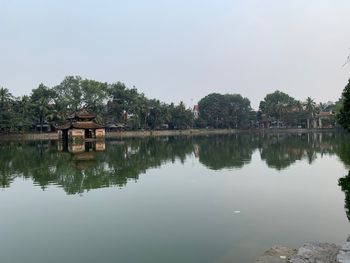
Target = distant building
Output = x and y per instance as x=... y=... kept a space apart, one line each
x=325 y=119
x=112 y=127
x=81 y=125
x=196 y=111
x=45 y=127
x=127 y=116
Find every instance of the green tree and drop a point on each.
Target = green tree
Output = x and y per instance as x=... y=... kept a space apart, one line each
x=344 y=183
x=69 y=94
x=6 y=113
x=224 y=111
x=5 y=98
x=210 y=109
x=23 y=113
x=310 y=105
x=93 y=97
x=180 y=117
x=310 y=109
x=42 y=100
x=343 y=116
x=126 y=102
x=276 y=106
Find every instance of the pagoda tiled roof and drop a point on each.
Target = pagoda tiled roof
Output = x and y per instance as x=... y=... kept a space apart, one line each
x=65 y=126
x=82 y=114
x=80 y=125
x=86 y=125
x=325 y=114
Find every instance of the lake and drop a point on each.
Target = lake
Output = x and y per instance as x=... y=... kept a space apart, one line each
x=177 y=199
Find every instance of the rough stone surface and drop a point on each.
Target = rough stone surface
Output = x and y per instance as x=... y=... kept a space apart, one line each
x=316 y=252
x=343 y=257
x=344 y=253
x=277 y=254
x=312 y=252
x=346 y=246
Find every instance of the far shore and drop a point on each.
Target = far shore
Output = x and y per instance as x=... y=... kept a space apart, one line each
x=162 y=133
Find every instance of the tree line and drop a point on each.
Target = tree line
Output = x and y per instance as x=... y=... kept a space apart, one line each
x=117 y=104
x=112 y=103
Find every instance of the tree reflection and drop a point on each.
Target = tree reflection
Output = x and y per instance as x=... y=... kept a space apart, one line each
x=282 y=150
x=343 y=152
x=79 y=168
x=218 y=152
x=344 y=183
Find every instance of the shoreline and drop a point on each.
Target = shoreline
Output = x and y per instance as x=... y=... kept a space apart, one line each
x=310 y=252
x=164 y=133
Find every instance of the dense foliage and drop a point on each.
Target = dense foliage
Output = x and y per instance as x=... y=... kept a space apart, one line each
x=278 y=109
x=224 y=111
x=112 y=103
x=344 y=112
x=117 y=104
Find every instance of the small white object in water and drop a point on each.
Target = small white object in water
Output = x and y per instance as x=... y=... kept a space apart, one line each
x=283 y=257
x=237 y=212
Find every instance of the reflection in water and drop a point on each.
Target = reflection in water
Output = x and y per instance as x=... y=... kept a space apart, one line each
x=344 y=183
x=226 y=152
x=82 y=167
x=280 y=152
x=79 y=147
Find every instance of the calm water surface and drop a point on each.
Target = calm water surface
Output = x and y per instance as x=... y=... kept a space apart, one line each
x=203 y=199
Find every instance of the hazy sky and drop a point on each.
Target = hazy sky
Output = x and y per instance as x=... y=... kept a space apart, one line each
x=179 y=49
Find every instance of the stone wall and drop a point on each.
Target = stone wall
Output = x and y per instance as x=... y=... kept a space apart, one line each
x=344 y=252
x=190 y=132
x=76 y=133
x=100 y=133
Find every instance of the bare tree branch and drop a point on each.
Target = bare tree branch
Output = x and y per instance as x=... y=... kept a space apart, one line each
x=347 y=61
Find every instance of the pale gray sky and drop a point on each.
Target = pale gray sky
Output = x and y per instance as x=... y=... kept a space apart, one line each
x=178 y=50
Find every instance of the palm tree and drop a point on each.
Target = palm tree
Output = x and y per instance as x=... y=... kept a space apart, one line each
x=6 y=100
x=22 y=108
x=310 y=108
x=297 y=110
x=322 y=106
x=310 y=105
x=5 y=97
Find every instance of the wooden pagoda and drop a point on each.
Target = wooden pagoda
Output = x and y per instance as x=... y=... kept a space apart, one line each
x=81 y=125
